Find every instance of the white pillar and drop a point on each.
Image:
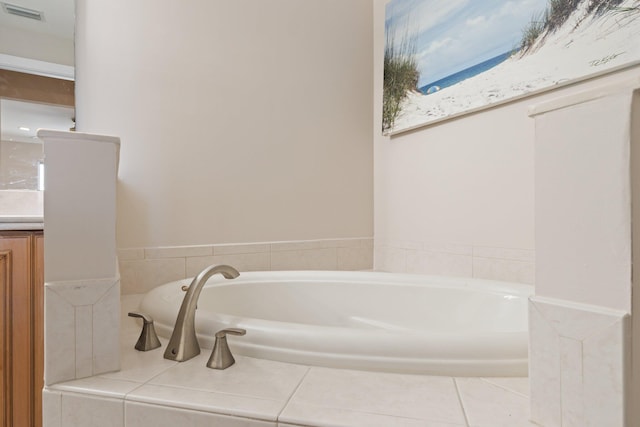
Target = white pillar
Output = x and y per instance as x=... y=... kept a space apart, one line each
x=580 y=329
x=82 y=285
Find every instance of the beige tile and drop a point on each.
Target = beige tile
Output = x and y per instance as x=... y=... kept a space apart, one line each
x=514 y=384
x=106 y=332
x=528 y=255
x=139 y=277
x=51 y=408
x=346 y=243
x=140 y=366
x=60 y=342
x=605 y=375
x=302 y=415
x=208 y=401
x=576 y=320
x=419 y=397
x=392 y=260
x=232 y=249
x=98 y=386
x=84 y=411
x=449 y=248
x=504 y=270
x=404 y=244
x=130 y=254
x=144 y=415
x=355 y=258
x=544 y=370
x=249 y=377
x=439 y=263
x=487 y=405
x=242 y=262
x=367 y=242
x=129 y=303
x=82 y=292
x=177 y=251
x=311 y=259
x=295 y=245
x=572 y=394
x=84 y=341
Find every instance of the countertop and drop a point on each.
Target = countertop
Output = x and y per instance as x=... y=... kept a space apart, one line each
x=21 y=222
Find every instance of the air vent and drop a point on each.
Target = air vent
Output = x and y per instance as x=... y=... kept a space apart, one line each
x=12 y=9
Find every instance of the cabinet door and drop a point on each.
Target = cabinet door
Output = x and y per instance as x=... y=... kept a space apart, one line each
x=5 y=311
x=19 y=342
x=38 y=327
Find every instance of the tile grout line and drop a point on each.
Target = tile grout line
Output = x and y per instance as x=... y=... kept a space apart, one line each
x=562 y=386
x=503 y=387
x=93 y=355
x=75 y=344
x=293 y=393
x=464 y=412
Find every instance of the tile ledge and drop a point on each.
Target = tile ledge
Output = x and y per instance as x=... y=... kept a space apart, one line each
x=607 y=311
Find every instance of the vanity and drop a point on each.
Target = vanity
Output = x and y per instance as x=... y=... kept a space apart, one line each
x=21 y=311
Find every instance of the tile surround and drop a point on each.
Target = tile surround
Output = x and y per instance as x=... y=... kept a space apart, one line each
x=142 y=269
x=79 y=410
x=578 y=357
x=152 y=391
x=330 y=393
x=51 y=408
x=260 y=379
x=208 y=401
x=144 y=415
x=489 y=405
x=451 y=259
x=258 y=261
x=82 y=328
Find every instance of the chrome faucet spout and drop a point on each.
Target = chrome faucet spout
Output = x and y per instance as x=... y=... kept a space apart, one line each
x=183 y=344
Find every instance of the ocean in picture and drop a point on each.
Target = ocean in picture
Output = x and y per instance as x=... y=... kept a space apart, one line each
x=464 y=74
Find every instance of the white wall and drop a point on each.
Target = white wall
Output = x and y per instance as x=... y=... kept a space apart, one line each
x=240 y=121
x=583 y=198
x=634 y=410
x=467 y=181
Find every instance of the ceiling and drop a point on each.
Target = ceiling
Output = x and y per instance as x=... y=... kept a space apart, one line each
x=59 y=21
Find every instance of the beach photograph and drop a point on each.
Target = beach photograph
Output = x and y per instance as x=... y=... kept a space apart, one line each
x=447 y=57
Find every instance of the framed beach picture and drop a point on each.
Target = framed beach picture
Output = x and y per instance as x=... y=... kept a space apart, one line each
x=444 y=58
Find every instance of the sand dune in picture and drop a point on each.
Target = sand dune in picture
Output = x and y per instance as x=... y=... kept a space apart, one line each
x=585 y=44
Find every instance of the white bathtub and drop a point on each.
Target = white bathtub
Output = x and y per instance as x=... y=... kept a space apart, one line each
x=362 y=320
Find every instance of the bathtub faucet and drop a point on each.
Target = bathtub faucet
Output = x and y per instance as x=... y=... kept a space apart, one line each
x=183 y=344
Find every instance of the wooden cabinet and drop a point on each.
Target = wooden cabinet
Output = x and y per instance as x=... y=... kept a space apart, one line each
x=22 y=315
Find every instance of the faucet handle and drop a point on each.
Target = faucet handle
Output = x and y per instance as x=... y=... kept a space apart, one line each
x=232 y=331
x=221 y=357
x=148 y=338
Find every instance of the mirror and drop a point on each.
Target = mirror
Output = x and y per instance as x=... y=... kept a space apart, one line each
x=20 y=150
x=36 y=84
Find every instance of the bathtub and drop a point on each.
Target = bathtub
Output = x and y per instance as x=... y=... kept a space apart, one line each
x=361 y=320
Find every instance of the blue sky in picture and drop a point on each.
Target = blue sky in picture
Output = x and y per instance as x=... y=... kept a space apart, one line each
x=453 y=35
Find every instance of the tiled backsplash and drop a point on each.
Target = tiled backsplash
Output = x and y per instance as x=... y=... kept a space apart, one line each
x=142 y=269
x=21 y=202
x=482 y=262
